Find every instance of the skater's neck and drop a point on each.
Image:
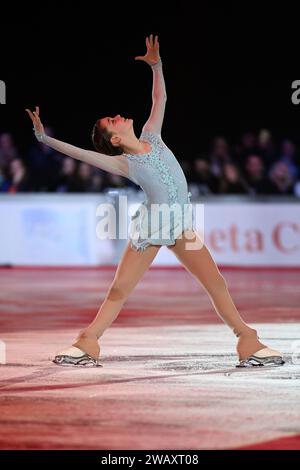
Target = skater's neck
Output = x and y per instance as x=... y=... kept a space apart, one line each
x=134 y=146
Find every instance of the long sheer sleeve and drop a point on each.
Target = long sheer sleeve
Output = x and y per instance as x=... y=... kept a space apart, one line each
x=116 y=164
x=158 y=84
x=159 y=98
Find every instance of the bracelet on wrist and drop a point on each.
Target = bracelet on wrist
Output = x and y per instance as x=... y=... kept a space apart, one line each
x=39 y=135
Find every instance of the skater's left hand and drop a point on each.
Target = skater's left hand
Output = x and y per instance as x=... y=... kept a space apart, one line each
x=36 y=121
x=152 y=54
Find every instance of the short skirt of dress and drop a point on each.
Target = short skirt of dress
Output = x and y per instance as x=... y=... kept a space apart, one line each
x=148 y=227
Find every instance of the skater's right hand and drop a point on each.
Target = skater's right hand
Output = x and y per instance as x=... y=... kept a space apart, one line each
x=152 y=55
x=35 y=117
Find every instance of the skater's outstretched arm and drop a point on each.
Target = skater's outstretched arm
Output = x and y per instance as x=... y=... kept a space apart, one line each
x=116 y=164
x=159 y=95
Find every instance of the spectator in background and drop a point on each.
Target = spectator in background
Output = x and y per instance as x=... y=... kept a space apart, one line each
x=115 y=181
x=98 y=182
x=18 y=177
x=280 y=179
x=84 y=176
x=89 y=179
x=266 y=148
x=205 y=180
x=247 y=146
x=231 y=181
x=288 y=156
x=8 y=150
x=297 y=189
x=255 y=174
x=4 y=183
x=68 y=181
x=219 y=155
x=44 y=165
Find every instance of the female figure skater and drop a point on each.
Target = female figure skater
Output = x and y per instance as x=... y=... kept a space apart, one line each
x=149 y=163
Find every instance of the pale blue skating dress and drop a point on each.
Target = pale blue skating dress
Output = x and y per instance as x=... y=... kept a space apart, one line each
x=162 y=179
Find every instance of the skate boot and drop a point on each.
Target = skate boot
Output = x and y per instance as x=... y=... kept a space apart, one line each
x=84 y=352
x=75 y=357
x=254 y=353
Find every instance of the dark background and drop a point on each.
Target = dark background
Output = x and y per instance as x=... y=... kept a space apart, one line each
x=228 y=68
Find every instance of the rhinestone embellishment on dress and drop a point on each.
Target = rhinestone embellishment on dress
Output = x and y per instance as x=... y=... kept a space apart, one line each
x=153 y=159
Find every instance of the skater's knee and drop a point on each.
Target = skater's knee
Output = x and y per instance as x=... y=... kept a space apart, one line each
x=117 y=292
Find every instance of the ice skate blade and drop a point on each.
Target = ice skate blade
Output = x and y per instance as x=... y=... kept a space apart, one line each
x=255 y=361
x=82 y=361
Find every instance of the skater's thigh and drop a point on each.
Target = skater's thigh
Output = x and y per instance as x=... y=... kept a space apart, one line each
x=133 y=265
x=196 y=258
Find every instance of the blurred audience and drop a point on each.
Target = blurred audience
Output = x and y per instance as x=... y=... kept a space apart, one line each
x=232 y=182
x=204 y=178
x=255 y=174
x=8 y=150
x=68 y=179
x=44 y=165
x=98 y=182
x=219 y=155
x=256 y=164
x=18 y=177
x=288 y=156
x=248 y=145
x=281 y=180
x=4 y=183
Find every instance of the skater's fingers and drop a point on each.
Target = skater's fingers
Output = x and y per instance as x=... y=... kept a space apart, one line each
x=151 y=40
x=147 y=42
x=37 y=119
x=30 y=114
x=37 y=108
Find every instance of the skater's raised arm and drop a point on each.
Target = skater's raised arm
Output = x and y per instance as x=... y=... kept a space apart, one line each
x=159 y=95
x=116 y=164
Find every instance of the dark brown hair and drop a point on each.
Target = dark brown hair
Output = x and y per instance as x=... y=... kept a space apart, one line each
x=101 y=141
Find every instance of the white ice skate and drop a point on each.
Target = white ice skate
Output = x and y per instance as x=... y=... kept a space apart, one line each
x=75 y=357
x=263 y=357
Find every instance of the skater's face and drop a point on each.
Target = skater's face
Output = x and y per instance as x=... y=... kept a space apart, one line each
x=112 y=131
x=117 y=125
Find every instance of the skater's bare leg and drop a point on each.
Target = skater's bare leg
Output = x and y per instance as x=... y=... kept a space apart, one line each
x=201 y=265
x=130 y=270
